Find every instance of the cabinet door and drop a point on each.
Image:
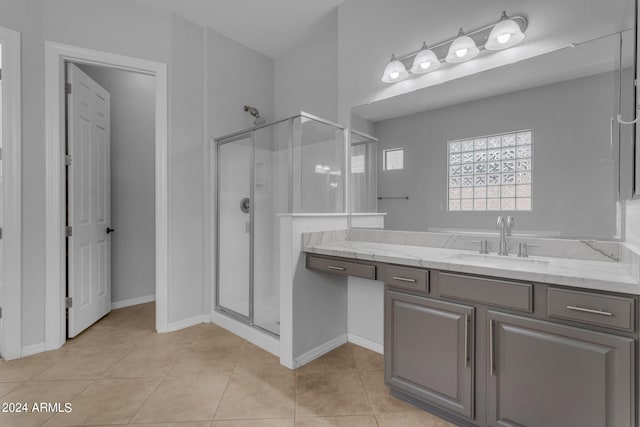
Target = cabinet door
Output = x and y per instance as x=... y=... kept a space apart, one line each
x=428 y=350
x=544 y=375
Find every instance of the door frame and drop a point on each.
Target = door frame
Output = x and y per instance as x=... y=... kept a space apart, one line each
x=12 y=203
x=56 y=55
x=219 y=307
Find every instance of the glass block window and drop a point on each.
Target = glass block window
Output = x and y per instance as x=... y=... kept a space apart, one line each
x=393 y=159
x=491 y=173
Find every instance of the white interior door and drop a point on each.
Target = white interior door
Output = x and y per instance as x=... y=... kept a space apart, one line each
x=1 y=220
x=88 y=201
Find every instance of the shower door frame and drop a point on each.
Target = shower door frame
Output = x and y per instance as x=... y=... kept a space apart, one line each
x=219 y=142
x=235 y=136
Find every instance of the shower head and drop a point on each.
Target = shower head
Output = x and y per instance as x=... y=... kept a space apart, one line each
x=253 y=111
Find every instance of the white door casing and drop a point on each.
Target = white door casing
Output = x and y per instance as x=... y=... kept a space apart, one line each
x=89 y=201
x=56 y=55
x=11 y=271
x=2 y=284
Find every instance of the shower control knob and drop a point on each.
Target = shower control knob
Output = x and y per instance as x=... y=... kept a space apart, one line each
x=245 y=205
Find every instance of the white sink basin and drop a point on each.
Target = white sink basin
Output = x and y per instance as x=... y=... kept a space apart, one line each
x=499 y=260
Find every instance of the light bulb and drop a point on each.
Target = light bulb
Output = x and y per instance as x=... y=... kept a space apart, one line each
x=425 y=61
x=462 y=49
x=505 y=33
x=394 y=71
x=503 y=38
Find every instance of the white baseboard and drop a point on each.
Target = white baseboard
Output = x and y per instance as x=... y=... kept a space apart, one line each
x=133 y=301
x=254 y=336
x=368 y=344
x=319 y=351
x=32 y=349
x=196 y=320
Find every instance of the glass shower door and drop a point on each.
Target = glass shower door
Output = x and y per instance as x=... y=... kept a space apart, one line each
x=271 y=191
x=235 y=160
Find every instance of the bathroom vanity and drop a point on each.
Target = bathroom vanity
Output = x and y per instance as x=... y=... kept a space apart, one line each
x=484 y=340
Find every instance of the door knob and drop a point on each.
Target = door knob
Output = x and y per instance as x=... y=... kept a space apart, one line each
x=110 y=230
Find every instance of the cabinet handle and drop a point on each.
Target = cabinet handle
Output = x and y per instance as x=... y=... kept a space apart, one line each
x=333 y=267
x=404 y=279
x=491 y=361
x=466 y=340
x=589 y=310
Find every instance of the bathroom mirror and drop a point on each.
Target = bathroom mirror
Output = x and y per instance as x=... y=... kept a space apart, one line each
x=536 y=139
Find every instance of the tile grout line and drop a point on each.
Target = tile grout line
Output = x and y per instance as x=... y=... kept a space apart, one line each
x=145 y=401
x=226 y=386
x=91 y=382
x=148 y=397
x=295 y=396
x=364 y=387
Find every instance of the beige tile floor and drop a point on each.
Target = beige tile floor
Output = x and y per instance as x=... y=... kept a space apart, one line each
x=120 y=371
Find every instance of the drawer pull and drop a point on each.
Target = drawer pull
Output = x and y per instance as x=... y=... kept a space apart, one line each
x=333 y=267
x=466 y=340
x=404 y=279
x=589 y=310
x=492 y=364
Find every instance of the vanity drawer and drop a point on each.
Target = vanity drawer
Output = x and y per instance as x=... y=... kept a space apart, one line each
x=499 y=293
x=344 y=268
x=595 y=309
x=413 y=279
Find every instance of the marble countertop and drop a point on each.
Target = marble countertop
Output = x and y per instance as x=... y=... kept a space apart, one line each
x=586 y=274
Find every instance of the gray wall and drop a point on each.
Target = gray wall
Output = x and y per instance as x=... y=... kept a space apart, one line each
x=132 y=180
x=573 y=186
x=127 y=28
x=306 y=78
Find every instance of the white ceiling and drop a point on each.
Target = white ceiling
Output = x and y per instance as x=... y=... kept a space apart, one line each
x=271 y=27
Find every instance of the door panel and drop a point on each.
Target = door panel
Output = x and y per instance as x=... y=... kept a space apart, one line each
x=429 y=350
x=544 y=374
x=88 y=201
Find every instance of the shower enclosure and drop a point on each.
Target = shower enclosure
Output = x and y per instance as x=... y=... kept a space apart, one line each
x=292 y=166
x=364 y=172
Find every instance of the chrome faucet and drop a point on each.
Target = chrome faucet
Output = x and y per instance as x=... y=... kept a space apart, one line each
x=505 y=230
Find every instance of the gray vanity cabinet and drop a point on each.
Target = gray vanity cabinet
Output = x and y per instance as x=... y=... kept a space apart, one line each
x=486 y=351
x=544 y=374
x=429 y=350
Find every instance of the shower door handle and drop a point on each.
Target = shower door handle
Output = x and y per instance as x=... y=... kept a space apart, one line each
x=245 y=205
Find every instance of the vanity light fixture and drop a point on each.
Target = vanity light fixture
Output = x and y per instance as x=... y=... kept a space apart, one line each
x=506 y=33
x=425 y=61
x=462 y=49
x=395 y=71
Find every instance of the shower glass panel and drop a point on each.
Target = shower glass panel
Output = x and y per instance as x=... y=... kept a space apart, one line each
x=235 y=157
x=295 y=165
x=318 y=167
x=364 y=163
x=271 y=195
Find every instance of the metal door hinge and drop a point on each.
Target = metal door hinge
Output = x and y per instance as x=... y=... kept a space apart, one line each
x=0 y=312
x=67 y=159
x=68 y=302
x=67 y=88
x=68 y=231
x=0 y=232
x=0 y=153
